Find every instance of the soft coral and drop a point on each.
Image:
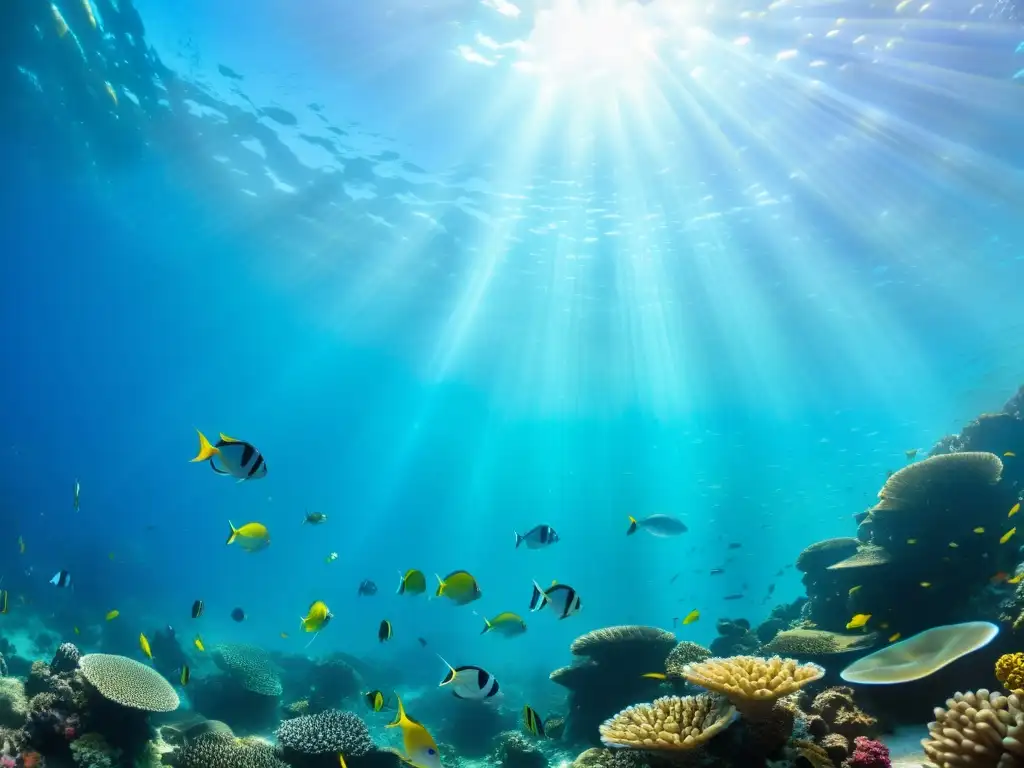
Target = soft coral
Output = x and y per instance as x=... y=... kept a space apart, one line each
x=868 y=753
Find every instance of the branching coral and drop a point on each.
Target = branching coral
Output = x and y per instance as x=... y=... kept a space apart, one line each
x=327 y=732
x=220 y=750
x=668 y=723
x=1010 y=671
x=92 y=751
x=983 y=729
x=837 y=708
x=129 y=683
x=751 y=682
x=868 y=753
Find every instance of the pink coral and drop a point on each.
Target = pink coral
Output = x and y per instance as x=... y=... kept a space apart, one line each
x=7 y=762
x=868 y=753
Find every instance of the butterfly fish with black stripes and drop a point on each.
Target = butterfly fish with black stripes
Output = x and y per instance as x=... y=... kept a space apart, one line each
x=472 y=683
x=237 y=458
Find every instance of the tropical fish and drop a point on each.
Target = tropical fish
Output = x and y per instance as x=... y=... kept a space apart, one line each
x=186 y=675
x=367 y=588
x=331 y=557
x=561 y=597
x=384 y=631
x=537 y=538
x=734 y=545
x=21 y=545
x=507 y=623
x=316 y=618
x=238 y=614
x=1009 y=454
x=735 y=596
x=58 y=21
x=471 y=682
x=61 y=579
x=284 y=635
x=655 y=676
x=420 y=747
x=252 y=537
x=1016 y=579
x=412 y=582
x=979 y=529
x=237 y=457
x=78 y=493
x=858 y=621
x=111 y=615
x=953 y=545
x=854 y=590
x=315 y=518
x=198 y=643
x=375 y=700
x=894 y=637
x=911 y=541
x=458 y=586
x=422 y=642
x=532 y=721
x=1014 y=509
x=197 y=609
x=144 y=645
x=926 y=584
x=691 y=617
x=110 y=92
x=657 y=525
x=1008 y=535
x=716 y=571
x=4 y=600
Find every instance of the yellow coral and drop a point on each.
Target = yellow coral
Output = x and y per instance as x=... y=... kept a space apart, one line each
x=751 y=682
x=670 y=723
x=1010 y=671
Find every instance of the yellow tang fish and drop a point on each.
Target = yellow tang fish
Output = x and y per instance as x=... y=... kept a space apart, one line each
x=1008 y=535
x=198 y=643
x=252 y=537
x=144 y=645
x=858 y=621
x=1014 y=509
x=111 y=615
x=316 y=617
x=894 y=638
x=691 y=617
x=979 y=529
x=420 y=747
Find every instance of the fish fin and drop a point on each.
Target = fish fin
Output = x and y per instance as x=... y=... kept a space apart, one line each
x=242 y=480
x=539 y=599
x=227 y=439
x=213 y=466
x=315 y=636
x=440 y=585
x=632 y=525
x=341 y=760
x=234 y=533
x=401 y=583
x=206 y=450
x=450 y=677
x=519 y=539
x=401 y=713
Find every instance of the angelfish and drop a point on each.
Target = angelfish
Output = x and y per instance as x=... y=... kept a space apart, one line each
x=561 y=597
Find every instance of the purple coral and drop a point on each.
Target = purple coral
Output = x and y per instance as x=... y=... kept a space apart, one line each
x=868 y=753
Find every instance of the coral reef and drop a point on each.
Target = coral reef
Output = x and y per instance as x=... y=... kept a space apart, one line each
x=868 y=753
x=221 y=750
x=513 y=750
x=304 y=739
x=470 y=727
x=13 y=702
x=982 y=728
x=816 y=644
x=129 y=683
x=842 y=716
x=610 y=676
x=669 y=723
x=334 y=681
x=250 y=666
x=1010 y=671
x=735 y=638
x=91 y=750
x=65 y=659
x=751 y=683
x=685 y=653
x=221 y=697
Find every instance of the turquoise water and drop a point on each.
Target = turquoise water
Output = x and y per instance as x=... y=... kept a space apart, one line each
x=454 y=276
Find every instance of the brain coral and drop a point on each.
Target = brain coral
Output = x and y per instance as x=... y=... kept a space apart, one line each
x=669 y=723
x=128 y=682
x=221 y=750
x=330 y=731
x=251 y=666
x=1010 y=671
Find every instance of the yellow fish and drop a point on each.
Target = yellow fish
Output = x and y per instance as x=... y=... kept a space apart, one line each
x=854 y=590
x=1009 y=454
x=111 y=615
x=926 y=584
x=979 y=529
x=1016 y=579
x=858 y=621
x=412 y=582
x=1014 y=509
x=953 y=545
x=894 y=638
x=420 y=747
x=1008 y=535
x=911 y=541
x=21 y=545
x=58 y=20
x=252 y=537
x=144 y=645
x=341 y=761
x=458 y=586
x=77 y=631
x=655 y=676
x=198 y=643
x=316 y=617
x=691 y=617
x=186 y=675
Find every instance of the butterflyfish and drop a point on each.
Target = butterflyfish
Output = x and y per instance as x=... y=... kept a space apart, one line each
x=384 y=631
x=458 y=586
x=561 y=597
x=236 y=458
x=532 y=721
x=469 y=682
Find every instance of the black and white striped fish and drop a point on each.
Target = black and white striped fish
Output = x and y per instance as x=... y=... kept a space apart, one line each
x=561 y=597
x=471 y=683
x=539 y=537
x=61 y=579
x=235 y=457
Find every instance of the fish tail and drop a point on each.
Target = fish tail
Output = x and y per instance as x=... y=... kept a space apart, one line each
x=206 y=450
x=401 y=583
x=632 y=526
x=450 y=677
x=519 y=539
x=539 y=599
x=440 y=585
x=401 y=713
x=234 y=533
x=487 y=626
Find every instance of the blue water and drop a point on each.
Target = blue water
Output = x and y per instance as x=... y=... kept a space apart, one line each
x=736 y=299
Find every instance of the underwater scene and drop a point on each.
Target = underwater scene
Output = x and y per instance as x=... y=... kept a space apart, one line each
x=512 y=383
